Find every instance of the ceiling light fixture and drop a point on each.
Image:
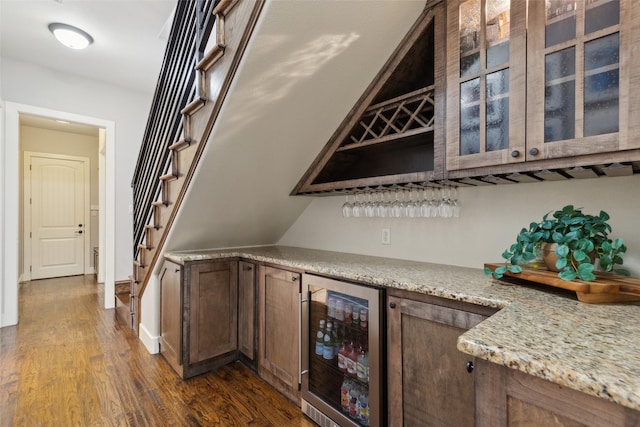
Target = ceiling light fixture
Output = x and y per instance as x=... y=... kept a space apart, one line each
x=70 y=36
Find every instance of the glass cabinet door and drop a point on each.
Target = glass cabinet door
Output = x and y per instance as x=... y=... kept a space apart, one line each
x=577 y=91
x=486 y=82
x=338 y=352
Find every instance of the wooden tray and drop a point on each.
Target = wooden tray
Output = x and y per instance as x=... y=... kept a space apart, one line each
x=607 y=287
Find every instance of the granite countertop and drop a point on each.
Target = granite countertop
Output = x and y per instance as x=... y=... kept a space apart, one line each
x=593 y=348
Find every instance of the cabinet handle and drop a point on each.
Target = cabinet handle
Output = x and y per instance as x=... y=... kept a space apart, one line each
x=294 y=279
x=301 y=371
x=470 y=366
x=248 y=268
x=534 y=151
x=515 y=153
x=392 y=305
x=177 y=270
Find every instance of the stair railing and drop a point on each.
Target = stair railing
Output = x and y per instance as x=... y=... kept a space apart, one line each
x=176 y=87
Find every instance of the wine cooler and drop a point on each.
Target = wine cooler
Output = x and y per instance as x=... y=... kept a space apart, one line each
x=342 y=350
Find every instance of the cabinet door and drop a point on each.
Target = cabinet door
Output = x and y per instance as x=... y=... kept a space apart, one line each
x=213 y=310
x=171 y=314
x=506 y=397
x=580 y=67
x=246 y=308
x=279 y=329
x=428 y=382
x=486 y=68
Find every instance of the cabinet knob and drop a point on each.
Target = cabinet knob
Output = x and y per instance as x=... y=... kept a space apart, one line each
x=515 y=153
x=294 y=279
x=534 y=151
x=470 y=366
x=247 y=268
x=392 y=305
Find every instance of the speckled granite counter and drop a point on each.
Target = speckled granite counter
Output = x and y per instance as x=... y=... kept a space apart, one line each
x=586 y=347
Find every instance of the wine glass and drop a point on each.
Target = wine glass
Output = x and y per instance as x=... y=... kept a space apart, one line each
x=413 y=205
x=425 y=209
x=347 y=208
x=455 y=205
x=398 y=205
x=434 y=202
x=369 y=206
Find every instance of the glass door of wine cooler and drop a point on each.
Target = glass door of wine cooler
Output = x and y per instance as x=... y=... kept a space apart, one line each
x=342 y=351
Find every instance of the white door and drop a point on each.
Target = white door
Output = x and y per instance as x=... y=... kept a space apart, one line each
x=58 y=203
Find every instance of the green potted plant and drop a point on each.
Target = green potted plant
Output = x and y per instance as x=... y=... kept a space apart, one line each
x=579 y=239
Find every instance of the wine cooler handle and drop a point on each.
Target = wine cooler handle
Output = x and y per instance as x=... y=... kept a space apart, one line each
x=301 y=371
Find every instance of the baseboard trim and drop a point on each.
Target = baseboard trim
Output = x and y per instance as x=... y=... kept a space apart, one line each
x=151 y=343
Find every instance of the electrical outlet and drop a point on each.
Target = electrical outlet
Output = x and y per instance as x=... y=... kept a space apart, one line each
x=386 y=236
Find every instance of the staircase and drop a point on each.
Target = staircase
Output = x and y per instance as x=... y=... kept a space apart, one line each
x=206 y=44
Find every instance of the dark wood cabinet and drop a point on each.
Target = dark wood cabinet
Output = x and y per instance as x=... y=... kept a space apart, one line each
x=199 y=315
x=279 y=329
x=429 y=381
x=506 y=397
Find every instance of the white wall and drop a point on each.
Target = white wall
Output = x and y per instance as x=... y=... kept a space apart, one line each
x=32 y=85
x=489 y=220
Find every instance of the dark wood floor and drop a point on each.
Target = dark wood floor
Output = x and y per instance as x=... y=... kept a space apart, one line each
x=69 y=362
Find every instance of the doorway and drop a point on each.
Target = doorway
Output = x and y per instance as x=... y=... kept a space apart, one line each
x=10 y=215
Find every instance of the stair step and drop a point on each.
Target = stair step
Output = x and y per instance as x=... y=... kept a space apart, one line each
x=180 y=145
x=168 y=177
x=210 y=59
x=144 y=247
x=194 y=106
x=224 y=6
x=122 y=288
x=123 y=310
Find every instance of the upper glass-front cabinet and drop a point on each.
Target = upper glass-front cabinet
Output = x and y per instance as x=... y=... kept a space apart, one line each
x=578 y=92
x=485 y=82
x=540 y=79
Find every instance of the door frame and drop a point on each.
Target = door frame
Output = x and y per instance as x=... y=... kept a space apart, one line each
x=26 y=246
x=9 y=204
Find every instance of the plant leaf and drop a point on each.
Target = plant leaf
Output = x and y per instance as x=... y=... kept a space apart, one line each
x=606 y=263
x=488 y=271
x=562 y=251
x=617 y=243
x=561 y=263
x=579 y=255
x=567 y=274
x=515 y=269
x=585 y=269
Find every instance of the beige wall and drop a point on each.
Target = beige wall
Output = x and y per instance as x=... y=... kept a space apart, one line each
x=490 y=218
x=72 y=144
